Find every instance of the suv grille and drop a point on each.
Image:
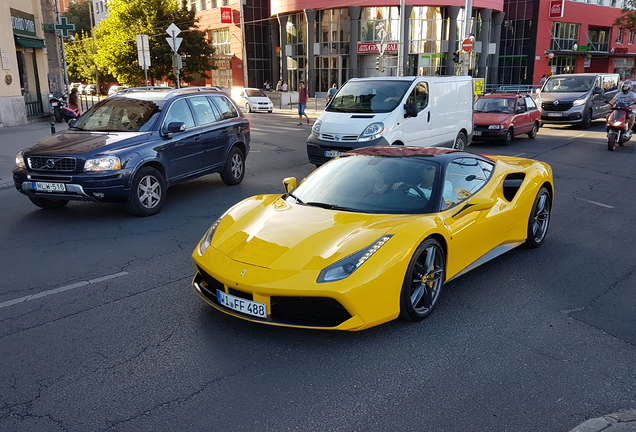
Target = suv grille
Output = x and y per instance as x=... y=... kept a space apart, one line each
x=51 y=163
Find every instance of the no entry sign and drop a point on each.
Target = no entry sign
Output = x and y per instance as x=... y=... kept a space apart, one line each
x=467 y=45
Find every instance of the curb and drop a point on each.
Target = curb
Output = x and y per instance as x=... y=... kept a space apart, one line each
x=622 y=421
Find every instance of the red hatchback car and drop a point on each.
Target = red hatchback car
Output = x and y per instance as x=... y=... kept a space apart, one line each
x=503 y=116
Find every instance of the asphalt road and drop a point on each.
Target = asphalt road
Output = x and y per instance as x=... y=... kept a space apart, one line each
x=100 y=329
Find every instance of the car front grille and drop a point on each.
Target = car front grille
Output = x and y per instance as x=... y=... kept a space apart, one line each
x=550 y=106
x=51 y=163
x=286 y=310
x=334 y=137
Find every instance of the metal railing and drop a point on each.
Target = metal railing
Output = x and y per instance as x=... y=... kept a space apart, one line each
x=514 y=88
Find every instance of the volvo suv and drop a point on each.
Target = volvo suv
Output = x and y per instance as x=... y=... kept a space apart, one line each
x=131 y=147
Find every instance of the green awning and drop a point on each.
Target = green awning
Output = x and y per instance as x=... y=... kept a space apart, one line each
x=28 y=41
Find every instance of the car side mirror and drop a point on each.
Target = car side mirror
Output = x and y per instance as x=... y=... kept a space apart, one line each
x=176 y=126
x=289 y=183
x=598 y=90
x=410 y=110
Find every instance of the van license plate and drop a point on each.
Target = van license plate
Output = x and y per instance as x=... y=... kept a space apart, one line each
x=332 y=153
x=49 y=187
x=551 y=114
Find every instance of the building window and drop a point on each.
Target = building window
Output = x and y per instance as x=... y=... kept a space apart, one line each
x=380 y=24
x=619 y=36
x=220 y=40
x=598 y=39
x=564 y=36
x=333 y=33
x=563 y=64
x=630 y=39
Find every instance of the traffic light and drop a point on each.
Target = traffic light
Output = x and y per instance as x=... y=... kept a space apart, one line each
x=183 y=61
x=456 y=57
x=377 y=63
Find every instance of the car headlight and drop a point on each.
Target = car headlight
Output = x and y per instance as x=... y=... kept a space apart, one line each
x=315 y=129
x=206 y=241
x=497 y=127
x=104 y=163
x=346 y=266
x=373 y=131
x=579 y=101
x=19 y=160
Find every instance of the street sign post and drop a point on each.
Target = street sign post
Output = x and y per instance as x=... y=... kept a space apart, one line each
x=467 y=45
x=143 y=54
x=174 y=43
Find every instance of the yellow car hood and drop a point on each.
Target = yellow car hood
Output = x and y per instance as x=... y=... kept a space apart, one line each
x=268 y=232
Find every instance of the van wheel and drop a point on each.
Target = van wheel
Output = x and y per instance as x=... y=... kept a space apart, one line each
x=587 y=120
x=460 y=142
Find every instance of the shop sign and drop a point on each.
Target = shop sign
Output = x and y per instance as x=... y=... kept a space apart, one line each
x=370 y=47
x=556 y=8
x=226 y=15
x=222 y=64
x=22 y=22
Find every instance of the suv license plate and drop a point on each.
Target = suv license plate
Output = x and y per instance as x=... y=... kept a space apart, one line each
x=332 y=153
x=49 y=187
x=242 y=305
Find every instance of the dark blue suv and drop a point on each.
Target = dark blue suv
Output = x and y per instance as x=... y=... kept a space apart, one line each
x=131 y=147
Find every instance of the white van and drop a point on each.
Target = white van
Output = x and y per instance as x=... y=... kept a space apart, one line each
x=415 y=111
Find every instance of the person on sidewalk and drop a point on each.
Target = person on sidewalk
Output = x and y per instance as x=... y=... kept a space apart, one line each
x=332 y=92
x=303 y=95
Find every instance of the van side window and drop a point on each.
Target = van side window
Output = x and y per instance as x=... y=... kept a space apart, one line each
x=419 y=95
x=610 y=82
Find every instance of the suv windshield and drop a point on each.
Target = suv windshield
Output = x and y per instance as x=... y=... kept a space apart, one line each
x=568 y=84
x=119 y=115
x=373 y=96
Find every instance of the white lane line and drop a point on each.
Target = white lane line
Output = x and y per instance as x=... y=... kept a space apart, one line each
x=60 y=289
x=599 y=204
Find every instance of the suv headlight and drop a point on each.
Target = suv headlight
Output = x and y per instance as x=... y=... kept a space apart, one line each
x=346 y=266
x=104 y=163
x=373 y=131
x=315 y=129
x=19 y=160
x=579 y=101
x=206 y=241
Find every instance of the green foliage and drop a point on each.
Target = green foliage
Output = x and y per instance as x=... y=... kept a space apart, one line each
x=117 y=45
x=627 y=20
x=80 y=59
x=79 y=13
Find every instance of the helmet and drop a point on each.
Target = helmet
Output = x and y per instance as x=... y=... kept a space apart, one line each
x=627 y=86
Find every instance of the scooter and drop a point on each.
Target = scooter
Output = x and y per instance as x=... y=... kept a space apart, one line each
x=57 y=102
x=616 y=125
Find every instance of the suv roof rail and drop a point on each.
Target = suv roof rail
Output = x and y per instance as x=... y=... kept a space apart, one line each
x=193 y=90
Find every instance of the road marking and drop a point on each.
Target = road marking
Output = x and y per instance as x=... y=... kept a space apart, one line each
x=60 y=289
x=599 y=204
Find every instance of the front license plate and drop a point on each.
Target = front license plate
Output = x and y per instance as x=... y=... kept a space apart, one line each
x=332 y=153
x=242 y=305
x=555 y=114
x=49 y=187
x=477 y=133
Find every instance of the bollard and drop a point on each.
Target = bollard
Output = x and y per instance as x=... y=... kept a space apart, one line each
x=52 y=127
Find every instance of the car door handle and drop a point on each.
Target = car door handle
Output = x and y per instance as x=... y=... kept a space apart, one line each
x=197 y=137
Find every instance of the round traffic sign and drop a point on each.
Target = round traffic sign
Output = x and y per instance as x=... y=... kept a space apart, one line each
x=467 y=45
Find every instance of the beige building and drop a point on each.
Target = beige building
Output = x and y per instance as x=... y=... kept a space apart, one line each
x=24 y=83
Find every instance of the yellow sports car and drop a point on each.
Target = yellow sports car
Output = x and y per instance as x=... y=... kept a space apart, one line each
x=370 y=236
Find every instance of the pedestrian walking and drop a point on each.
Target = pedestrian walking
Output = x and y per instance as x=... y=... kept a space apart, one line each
x=303 y=95
x=284 y=86
x=279 y=85
x=332 y=92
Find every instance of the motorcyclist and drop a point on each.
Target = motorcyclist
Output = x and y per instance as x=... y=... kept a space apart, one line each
x=626 y=98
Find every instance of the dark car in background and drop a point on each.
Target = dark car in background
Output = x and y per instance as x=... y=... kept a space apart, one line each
x=131 y=147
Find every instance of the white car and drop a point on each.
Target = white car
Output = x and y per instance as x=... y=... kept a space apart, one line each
x=252 y=99
x=115 y=88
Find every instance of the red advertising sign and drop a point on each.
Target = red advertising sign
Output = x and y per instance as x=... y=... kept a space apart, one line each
x=556 y=8
x=226 y=15
x=370 y=47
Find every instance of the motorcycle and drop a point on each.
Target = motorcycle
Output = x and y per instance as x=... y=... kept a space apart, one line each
x=616 y=125
x=61 y=111
x=57 y=100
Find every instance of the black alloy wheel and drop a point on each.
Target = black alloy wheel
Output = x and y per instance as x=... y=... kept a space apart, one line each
x=539 y=220
x=234 y=167
x=423 y=281
x=587 y=120
x=147 y=193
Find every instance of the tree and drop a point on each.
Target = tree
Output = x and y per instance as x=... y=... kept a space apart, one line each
x=117 y=47
x=627 y=20
x=79 y=13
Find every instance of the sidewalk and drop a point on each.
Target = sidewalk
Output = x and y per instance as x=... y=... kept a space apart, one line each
x=16 y=138
x=622 y=421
